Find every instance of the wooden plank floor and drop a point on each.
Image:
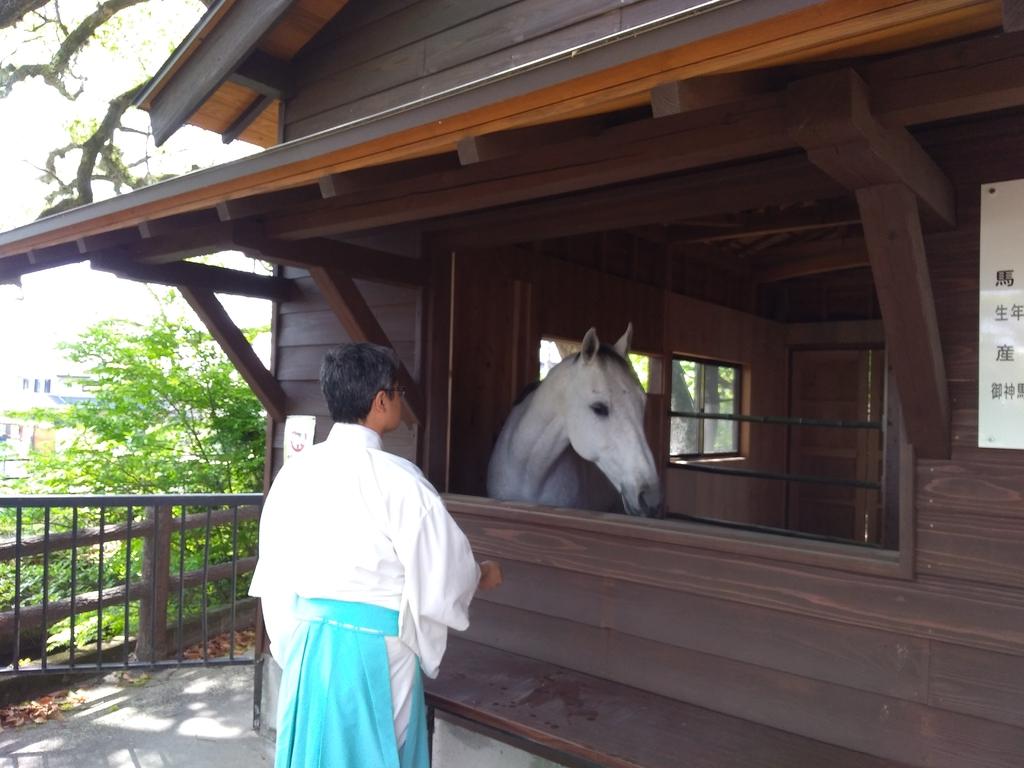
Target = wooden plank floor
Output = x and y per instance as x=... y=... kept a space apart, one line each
x=612 y=724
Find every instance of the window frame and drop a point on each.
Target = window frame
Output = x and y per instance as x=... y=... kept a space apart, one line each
x=701 y=455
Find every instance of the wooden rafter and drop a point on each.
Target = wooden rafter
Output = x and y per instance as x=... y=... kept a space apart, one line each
x=256 y=107
x=830 y=117
x=185 y=273
x=356 y=317
x=354 y=260
x=709 y=91
x=491 y=146
x=183 y=245
x=239 y=351
x=268 y=202
x=805 y=259
x=895 y=244
x=760 y=223
x=178 y=224
x=366 y=180
x=779 y=181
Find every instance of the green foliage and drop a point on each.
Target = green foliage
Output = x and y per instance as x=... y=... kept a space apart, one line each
x=169 y=414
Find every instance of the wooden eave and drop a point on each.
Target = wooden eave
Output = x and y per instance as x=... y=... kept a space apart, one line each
x=593 y=81
x=221 y=109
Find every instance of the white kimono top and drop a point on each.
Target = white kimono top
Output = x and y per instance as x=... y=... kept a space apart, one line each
x=345 y=520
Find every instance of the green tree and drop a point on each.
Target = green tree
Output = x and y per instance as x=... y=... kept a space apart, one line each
x=169 y=414
x=105 y=50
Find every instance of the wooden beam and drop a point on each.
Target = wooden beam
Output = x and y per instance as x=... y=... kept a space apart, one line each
x=895 y=244
x=264 y=74
x=623 y=153
x=437 y=349
x=709 y=91
x=268 y=202
x=205 y=304
x=185 y=273
x=219 y=54
x=491 y=146
x=761 y=223
x=356 y=261
x=366 y=179
x=830 y=116
x=779 y=181
x=356 y=317
x=1013 y=15
x=806 y=259
x=256 y=108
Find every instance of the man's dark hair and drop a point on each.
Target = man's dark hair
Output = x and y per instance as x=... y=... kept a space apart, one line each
x=351 y=376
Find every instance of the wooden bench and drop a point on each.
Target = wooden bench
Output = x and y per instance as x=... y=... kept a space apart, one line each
x=556 y=712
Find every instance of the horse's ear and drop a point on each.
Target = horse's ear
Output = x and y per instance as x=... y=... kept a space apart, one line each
x=590 y=346
x=622 y=345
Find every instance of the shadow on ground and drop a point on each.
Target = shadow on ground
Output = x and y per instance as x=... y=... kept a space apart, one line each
x=181 y=717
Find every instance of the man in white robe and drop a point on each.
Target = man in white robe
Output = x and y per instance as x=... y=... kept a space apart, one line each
x=345 y=521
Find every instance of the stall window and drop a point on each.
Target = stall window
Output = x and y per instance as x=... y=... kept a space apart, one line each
x=702 y=393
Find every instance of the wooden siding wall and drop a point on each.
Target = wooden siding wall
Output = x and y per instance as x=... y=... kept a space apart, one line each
x=305 y=328
x=928 y=670
x=699 y=329
x=375 y=55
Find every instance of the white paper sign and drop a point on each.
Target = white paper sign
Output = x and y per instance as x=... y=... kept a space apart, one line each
x=1001 y=317
x=298 y=434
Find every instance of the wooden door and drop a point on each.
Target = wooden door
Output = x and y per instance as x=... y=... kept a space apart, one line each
x=838 y=384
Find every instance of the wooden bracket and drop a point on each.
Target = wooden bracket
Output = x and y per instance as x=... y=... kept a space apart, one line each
x=830 y=116
x=356 y=316
x=895 y=244
x=202 y=276
x=239 y=351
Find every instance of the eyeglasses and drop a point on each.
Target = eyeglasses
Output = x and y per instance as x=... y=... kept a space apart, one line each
x=400 y=391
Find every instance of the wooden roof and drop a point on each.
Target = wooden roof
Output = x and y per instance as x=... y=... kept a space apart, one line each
x=281 y=38
x=587 y=82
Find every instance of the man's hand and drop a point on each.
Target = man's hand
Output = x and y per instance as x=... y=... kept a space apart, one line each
x=490 y=575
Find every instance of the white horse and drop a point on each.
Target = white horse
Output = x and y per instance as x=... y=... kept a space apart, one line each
x=576 y=439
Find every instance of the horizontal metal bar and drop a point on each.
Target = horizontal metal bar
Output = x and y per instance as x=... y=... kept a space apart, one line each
x=140 y=500
x=793 y=421
x=778 y=476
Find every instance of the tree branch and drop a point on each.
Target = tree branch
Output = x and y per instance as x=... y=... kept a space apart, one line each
x=54 y=72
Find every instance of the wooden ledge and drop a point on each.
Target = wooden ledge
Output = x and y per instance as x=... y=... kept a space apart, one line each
x=587 y=718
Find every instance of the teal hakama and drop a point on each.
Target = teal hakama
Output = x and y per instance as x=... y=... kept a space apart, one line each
x=334 y=706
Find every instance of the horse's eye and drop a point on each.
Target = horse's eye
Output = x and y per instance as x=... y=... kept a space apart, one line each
x=600 y=409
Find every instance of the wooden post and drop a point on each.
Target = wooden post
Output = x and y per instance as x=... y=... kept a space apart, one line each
x=151 y=644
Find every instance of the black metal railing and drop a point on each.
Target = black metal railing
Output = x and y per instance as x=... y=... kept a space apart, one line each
x=95 y=582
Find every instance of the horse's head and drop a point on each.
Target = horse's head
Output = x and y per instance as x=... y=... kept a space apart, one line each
x=605 y=421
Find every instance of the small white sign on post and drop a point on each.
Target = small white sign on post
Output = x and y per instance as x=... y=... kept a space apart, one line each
x=1001 y=317
x=298 y=434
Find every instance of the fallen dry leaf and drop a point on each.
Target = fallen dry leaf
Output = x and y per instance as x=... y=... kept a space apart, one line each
x=39 y=710
x=220 y=645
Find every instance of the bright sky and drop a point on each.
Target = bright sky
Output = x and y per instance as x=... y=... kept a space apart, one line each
x=55 y=305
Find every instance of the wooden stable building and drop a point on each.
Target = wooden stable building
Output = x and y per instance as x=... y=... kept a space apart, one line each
x=782 y=195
